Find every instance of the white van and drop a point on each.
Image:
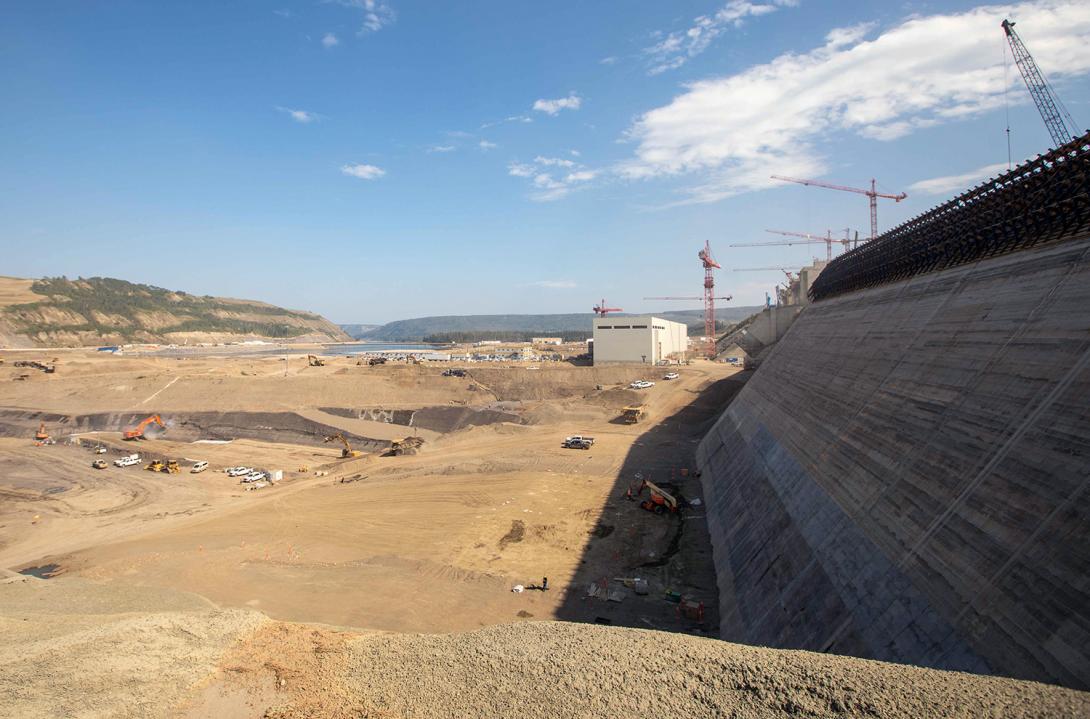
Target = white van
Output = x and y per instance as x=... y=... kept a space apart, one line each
x=198 y=467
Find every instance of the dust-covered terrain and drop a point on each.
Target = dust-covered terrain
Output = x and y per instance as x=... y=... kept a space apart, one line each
x=138 y=593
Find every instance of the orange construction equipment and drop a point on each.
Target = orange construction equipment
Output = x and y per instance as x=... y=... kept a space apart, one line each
x=660 y=501
x=42 y=437
x=137 y=432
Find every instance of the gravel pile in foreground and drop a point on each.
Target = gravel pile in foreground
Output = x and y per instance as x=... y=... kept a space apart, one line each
x=74 y=648
x=555 y=669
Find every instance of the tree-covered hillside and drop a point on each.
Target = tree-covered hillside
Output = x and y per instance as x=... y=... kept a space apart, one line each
x=90 y=310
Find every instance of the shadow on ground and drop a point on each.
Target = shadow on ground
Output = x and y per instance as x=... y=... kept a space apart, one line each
x=671 y=551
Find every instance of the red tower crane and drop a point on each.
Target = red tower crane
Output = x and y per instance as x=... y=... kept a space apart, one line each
x=601 y=309
x=709 y=297
x=872 y=193
x=828 y=239
x=789 y=273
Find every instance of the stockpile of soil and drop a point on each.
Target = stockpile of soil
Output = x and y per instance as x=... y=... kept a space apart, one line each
x=80 y=649
x=570 y=670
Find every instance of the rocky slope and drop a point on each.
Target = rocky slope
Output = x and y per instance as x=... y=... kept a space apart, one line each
x=58 y=312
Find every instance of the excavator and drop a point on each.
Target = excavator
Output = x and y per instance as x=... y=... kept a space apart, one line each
x=42 y=437
x=315 y=361
x=347 y=452
x=660 y=500
x=137 y=432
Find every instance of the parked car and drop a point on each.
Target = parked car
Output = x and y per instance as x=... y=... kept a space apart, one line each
x=670 y=375
x=99 y=464
x=641 y=384
x=253 y=477
x=454 y=373
x=577 y=442
x=198 y=467
x=238 y=471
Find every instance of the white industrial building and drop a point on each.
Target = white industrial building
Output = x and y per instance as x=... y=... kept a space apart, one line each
x=644 y=339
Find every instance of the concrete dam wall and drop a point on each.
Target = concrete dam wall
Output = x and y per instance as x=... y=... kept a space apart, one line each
x=906 y=476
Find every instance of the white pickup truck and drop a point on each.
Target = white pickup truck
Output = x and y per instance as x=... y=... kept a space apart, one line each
x=577 y=442
x=127 y=461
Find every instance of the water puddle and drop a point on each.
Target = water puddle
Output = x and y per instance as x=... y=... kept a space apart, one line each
x=45 y=571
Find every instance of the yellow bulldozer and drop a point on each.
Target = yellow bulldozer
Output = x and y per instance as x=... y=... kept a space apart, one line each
x=346 y=452
x=168 y=467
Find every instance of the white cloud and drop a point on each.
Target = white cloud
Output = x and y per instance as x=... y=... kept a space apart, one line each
x=554 y=161
x=678 y=47
x=330 y=40
x=283 y=12
x=301 y=116
x=732 y=132
x=575 y=153
x=442 y=148
x=517 y=169
x=486 y=145
x=376 y=14
x=511 y=118
x=545 y=187
x=554 y=284
x=363 y=172
x=581 y=176
x=553 y=107
x=953 y=183
x=611 y=60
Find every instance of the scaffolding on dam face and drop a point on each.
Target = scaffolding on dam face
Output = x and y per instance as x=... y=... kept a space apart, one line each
x=1043 y=200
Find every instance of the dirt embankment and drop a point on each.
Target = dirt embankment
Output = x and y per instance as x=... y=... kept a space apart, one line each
x=438 y=419
x=556 y=382
x=140 y=652
x=185 y=427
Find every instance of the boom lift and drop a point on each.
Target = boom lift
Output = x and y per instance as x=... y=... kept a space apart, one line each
x=137 y=432
x=347 y=452
x=660 y=500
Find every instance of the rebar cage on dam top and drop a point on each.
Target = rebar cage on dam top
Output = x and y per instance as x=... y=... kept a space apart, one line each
x=1043 y=200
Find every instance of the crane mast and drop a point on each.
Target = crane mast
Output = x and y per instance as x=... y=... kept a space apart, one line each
x=872 y=194
x=1059 y=122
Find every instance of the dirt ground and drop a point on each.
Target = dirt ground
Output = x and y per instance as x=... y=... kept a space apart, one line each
x=188 y=592
x=429 y=543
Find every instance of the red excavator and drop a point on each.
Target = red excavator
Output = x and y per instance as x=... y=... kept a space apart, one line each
x=137 y=432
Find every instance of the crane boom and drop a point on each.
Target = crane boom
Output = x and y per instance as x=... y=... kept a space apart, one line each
x=602 y=309
x=1061 y=126
x=872 y=194
x=778 y=243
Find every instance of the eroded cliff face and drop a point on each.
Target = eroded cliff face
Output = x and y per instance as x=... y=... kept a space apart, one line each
x=906 y=476
x=62 y=313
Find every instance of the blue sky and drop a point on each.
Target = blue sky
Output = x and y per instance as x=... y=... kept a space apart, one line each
x=376 y=160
